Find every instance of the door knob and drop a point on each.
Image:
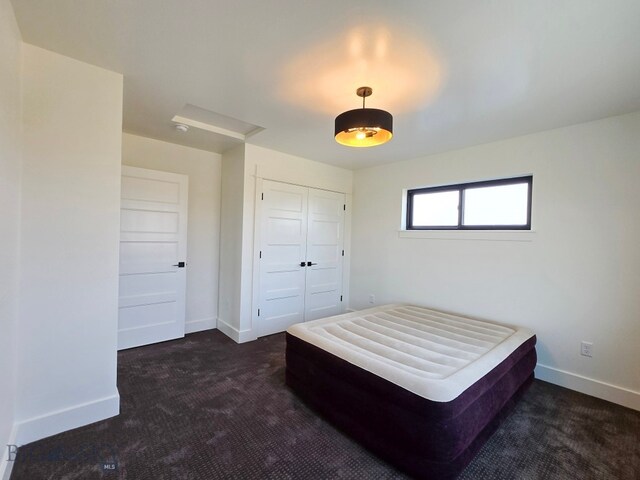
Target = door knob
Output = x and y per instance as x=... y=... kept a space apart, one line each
x=309 y=264
x=302 y=264
x=179 y=264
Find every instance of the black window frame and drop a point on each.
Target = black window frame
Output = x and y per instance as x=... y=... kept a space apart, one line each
x=461 y=188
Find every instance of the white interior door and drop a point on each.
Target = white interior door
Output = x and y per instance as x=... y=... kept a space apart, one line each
x=283 y=230
x=301 y=242
x=325 y=240
x=153 y=251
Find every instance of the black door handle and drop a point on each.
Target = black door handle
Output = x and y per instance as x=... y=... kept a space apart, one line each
x=179 y=264
x=309 y=264
x=302 y=264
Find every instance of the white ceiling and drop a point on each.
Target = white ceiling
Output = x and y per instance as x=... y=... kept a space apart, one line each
x=453 y=73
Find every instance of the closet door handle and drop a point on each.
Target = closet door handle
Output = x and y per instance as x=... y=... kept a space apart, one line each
x=302 y=264
x=309 y=264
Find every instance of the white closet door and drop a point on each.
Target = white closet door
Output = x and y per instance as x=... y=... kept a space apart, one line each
x=283 y=233
x=325 y=240
x=153 y=249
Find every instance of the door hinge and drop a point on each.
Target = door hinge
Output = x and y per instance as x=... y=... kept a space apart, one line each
x=340 y=297
x=261 y=253
x=344 y=207
x=258 y=312
x=262 y=197
x=343 y=253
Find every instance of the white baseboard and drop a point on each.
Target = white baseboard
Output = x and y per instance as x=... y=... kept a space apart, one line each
x=36 y=428
x=193 y=326
x=595 y=388
x=7 y=466
x=239 y=336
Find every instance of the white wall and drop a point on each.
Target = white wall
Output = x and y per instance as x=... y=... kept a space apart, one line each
x=243 y=168
x=233 y=165
x=10 y=166
x=282 y=167
x=204 y=172
x=576 y=278
x=72 y=116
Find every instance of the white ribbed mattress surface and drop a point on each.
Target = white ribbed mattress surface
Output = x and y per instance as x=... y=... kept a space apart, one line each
x=433 y=354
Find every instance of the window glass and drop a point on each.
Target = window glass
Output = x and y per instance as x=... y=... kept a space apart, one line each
x=500 y=205
x=436 y=209
x=494 y=204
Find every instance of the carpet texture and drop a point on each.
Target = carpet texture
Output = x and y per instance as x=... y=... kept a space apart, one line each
x=204 y=407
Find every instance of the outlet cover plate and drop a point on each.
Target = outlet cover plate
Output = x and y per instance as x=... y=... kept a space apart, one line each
x=586 y=349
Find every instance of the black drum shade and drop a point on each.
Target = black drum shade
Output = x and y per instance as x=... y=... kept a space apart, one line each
x=364 y=127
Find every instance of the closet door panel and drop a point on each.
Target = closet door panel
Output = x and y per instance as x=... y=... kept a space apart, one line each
x=283 y=247
x=325 y=240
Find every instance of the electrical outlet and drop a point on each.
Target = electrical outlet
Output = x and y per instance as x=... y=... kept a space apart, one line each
x=372 y=298
x=586 y=349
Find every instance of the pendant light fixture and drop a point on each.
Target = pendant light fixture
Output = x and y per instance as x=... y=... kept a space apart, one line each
x=364 y=127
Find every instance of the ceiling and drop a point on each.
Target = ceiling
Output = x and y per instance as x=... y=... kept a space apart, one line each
x=453 y=73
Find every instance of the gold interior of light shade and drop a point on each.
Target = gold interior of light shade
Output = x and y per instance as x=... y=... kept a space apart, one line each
x=364 y=137
x=363 y=127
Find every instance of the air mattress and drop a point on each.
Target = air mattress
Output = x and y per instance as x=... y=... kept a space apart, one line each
x=422 y=389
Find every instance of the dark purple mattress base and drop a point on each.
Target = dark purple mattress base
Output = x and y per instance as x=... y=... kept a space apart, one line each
x=427 y=439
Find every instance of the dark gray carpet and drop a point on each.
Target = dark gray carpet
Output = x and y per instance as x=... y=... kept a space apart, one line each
x=206 y=408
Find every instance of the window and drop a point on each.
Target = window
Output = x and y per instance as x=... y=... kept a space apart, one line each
x=492 y=205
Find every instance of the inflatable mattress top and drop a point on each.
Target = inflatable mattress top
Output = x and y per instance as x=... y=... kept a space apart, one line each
x=433 y=354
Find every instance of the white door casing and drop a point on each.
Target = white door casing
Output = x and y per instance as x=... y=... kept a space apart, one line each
x=301 y=235
x=153 y=240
